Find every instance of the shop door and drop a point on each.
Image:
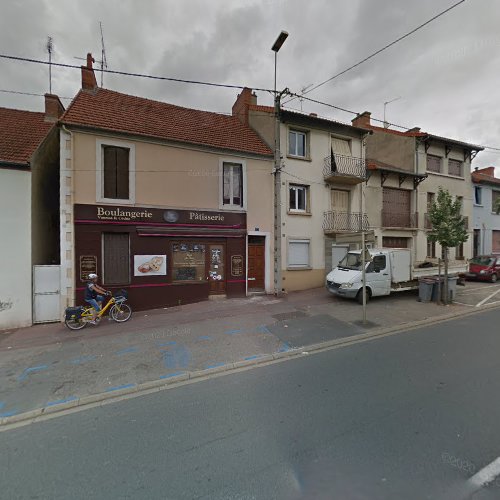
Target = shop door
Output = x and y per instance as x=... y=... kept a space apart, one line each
x=256 y=263
x=216 y=269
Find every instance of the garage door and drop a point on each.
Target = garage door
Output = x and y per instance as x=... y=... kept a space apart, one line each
x=394 y=242
x=496 y=242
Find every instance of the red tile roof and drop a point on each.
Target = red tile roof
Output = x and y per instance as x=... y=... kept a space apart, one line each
x=21 y=133
x=480 y=178
x=117 y=112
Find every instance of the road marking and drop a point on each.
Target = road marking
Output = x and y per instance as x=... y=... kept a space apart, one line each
x=463 y=304
x=61 y=401
x=214 y=366
x=27 y=371
x=487 y=298
x=486 y=474
x=118 y=387
x=479 y=288
x=127 y=350
x=255 y=356
x=170 y=375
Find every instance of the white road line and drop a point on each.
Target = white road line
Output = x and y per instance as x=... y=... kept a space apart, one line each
x=480 y=288
x=486 y=474
x=487 y=298
x=462 y=304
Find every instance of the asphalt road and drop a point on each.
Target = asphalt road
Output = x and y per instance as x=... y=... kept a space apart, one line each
x=410 y=416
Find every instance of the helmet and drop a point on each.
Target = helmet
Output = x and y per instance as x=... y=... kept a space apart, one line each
x=92 y=276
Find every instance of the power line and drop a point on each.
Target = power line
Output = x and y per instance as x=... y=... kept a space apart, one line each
x=139 y=75
x=406 y=35
x=30 y=93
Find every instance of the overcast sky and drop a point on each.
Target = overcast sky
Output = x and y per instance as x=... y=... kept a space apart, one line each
x=446 y=75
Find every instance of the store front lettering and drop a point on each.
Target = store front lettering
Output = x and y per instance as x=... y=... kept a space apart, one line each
x=121 y=214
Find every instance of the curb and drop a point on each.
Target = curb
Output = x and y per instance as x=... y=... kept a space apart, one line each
x=176 y=379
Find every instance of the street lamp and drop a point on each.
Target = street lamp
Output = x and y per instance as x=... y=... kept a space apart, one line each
x=277 y=172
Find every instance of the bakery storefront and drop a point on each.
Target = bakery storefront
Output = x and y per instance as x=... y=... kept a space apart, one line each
x=162 y=257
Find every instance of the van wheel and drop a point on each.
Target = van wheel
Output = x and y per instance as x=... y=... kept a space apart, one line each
x=359 y=296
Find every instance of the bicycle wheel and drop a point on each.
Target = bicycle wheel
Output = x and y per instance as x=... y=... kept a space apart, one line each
x=75 y=323
x=120 y=313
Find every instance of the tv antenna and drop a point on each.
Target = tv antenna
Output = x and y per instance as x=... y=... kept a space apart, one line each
x=386 y=124
x=50 y=48
x=103 y=63
x=302 y=92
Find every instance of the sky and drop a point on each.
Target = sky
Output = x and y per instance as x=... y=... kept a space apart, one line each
x=444 y=77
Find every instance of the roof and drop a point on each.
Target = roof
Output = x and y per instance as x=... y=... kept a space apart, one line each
x=22 y=133
x=105 y=109
x=379 y=165
x=479 y=178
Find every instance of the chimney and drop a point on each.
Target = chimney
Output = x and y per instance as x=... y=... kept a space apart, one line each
x=362 y=120
x=88 y=77
x=414 y=130
x=53 y=108
x=488 y=171
x=314 y=115
x=242 y=103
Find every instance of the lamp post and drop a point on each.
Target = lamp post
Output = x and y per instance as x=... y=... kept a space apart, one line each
x=277 y=172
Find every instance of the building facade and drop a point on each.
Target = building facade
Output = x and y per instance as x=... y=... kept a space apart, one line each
x=172 y=204
x=486 y=222
x=323 y=168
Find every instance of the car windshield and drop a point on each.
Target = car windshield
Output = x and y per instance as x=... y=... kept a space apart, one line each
x=351 y=261
x=482 y=261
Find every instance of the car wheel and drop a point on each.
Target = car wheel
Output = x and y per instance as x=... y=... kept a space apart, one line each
x=494 y=278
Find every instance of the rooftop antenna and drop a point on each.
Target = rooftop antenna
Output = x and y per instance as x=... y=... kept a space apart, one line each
x=103 y=61
x=50 y=48
x=302 y=92
x=386 y=124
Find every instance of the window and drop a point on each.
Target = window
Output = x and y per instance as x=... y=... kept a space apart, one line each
x=232 y=189
x=431 y=248
x=377 y=264
x=455 y=168
x=298 y=198
x=116 y=258
x=297 y=145
x=434 y=163
x=188 y=262
x=459 y=252
x=495 y=196
x=116 y=173
x=430 y=200
x=478 y=195
x=495 y=241
x=298 y=254
x=341 y=147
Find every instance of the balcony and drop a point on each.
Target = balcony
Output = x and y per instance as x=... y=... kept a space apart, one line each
x=400 y=220
x=344 y=169
x=428 y=223
x=344 y=222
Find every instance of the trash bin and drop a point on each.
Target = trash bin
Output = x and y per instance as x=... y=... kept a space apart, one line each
x=452 y=288
x=438 y=281
x=425 y=287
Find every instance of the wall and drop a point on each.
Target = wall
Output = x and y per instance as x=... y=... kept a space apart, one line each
x=15 y=250
x=485 y=219
x=395 y=150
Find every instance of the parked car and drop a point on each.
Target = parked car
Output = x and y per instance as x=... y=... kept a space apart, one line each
x=484 y=267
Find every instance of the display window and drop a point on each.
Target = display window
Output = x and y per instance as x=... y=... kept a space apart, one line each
x=188 y=262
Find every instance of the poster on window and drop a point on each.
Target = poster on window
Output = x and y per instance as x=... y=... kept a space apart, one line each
x=150 y=265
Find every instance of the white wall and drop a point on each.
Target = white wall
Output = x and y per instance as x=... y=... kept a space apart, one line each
x=485 y=219
x=15 y=249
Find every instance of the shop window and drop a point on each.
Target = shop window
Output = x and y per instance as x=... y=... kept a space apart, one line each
x=434 y=163
x=298 y=254
x=116 y=258
x=232 y=185
x=188 y=262
x=297 y=143
x=298 y=198
x=455 y=168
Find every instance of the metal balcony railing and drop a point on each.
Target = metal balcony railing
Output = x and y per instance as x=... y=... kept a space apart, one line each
x=334 y=221
x=394 y=219
x=342 y=168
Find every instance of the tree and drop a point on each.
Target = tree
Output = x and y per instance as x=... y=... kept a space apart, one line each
x=448 y=227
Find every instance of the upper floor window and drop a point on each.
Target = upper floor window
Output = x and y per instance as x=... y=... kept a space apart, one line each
x=341 y=146
x=455 y=168
x=430 y=200
x=495 y=200
x=232 y=184
x=116 y=173
x=478 y=195
x=434 y=163
x=298 y=198
x=297 y=143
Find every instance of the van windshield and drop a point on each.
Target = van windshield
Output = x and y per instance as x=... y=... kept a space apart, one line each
x=351 y=261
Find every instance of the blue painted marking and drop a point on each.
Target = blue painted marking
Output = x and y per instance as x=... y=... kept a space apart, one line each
x=170 y=375
x=82 y=359
x=232 y=332
x=164 y=344
x=118 y=387
x=263 y=329
x=178 y=356
x=252 y=357
x=32 y=369
x=214 y=366
x=126 y=351
x=205 y=337
x=2 y=404
x=8 y=413
x=284 y=348
x=61 y=401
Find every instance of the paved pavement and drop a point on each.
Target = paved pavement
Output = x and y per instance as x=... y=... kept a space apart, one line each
x=412 y=416
x=48 y=366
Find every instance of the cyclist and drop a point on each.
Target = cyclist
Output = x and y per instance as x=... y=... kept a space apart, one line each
x=93 y=297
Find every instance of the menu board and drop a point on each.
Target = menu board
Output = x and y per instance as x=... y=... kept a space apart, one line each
x=237 y=265
x=88 y=265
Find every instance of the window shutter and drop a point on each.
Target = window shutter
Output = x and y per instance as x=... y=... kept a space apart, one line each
x=109 y=172
x=116 y=258
x=341 y=147
x=122 y=187
x=298 y=253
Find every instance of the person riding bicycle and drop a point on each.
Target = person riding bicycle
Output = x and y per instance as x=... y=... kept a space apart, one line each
x=93 y=297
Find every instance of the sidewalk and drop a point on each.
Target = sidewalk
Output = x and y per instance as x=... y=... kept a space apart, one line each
x=49 y=365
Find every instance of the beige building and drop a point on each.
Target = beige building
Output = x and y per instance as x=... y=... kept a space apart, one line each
x=172 y=204
x=323 y=167
x=406 y=170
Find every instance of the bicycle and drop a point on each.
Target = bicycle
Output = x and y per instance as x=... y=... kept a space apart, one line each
x=79 y=317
